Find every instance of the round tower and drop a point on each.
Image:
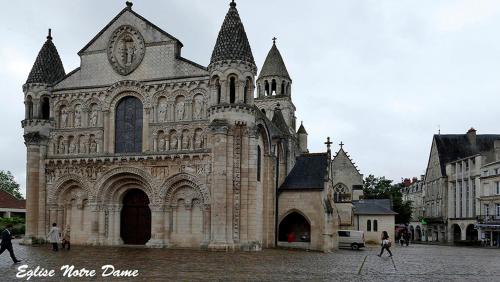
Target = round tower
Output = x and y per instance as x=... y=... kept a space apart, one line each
x=232 y=72
x=37 y=124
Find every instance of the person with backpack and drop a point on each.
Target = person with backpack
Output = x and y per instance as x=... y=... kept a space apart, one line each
x=386 y=244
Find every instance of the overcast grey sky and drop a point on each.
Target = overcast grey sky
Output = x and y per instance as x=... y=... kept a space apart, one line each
x=379 y=75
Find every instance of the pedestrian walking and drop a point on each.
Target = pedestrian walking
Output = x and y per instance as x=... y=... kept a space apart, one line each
x=386 y=244
x=66 y=238
x=7 y=243
x=407 y=238
x=53 y=237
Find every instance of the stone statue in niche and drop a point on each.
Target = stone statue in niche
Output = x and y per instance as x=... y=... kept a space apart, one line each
x=61 y=147
x=198 y=108
x=78 y=116
x=161 y=143
x=162 y=112
x=72 y=146
x=185 y=141
x=93 y=117
x=81 y=145
x=93 y=145
x=64 y=117
x=173 y=142
x=198 y=141
x=180 y=110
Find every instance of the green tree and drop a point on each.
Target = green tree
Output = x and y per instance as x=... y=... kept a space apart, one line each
x=9 y=185
x=382 y=188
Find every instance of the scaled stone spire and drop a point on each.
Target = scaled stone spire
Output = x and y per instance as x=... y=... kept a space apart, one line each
x=274 y=64
x=232 y=42
x=302 y=129
x=48 y=67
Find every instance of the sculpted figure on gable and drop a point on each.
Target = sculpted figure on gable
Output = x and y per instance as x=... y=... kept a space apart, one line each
x=198 y=107
x=61 y=146
x=179 y=108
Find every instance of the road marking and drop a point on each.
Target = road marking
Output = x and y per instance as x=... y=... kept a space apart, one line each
x=362 y=264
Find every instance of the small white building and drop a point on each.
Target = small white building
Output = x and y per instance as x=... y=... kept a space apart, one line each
x=374 y=216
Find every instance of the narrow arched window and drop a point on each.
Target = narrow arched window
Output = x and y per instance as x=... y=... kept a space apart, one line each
x=45 y=108
x=232 y=90
x=368 y=225
x=128 y=126
x=29 y=108
x=273 y=87
x=245 y=93
x=259 y=163
x=217 y=85
x=375 y=225
x=283 y=88
x=266 y=88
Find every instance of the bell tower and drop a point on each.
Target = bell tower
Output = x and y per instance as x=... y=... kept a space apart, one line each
x=274 y=86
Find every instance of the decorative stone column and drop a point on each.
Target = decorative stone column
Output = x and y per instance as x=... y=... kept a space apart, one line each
x=220 y=235
x=206 y=226
x=168 y=220
x=157 y=228
x=94 y=224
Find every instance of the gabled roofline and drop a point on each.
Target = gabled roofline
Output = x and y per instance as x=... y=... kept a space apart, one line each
x=116 y=17
x=66 y=76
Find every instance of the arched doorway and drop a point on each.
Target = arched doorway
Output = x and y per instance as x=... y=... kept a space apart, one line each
x=128 y=126
x=294 y=228
x=412 y=232
x=457 y=232
x=135 y=221
x=471 y=233
x=418 y=233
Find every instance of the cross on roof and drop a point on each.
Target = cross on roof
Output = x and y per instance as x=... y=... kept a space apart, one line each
x=341 y=144
x=274 y=40
x=328 y=143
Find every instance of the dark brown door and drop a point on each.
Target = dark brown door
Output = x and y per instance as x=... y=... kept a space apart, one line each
x=135 y=227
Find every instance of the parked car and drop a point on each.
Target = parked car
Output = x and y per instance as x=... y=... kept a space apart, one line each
x=351 y=239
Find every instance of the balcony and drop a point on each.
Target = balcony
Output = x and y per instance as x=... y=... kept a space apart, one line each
x=488 y=219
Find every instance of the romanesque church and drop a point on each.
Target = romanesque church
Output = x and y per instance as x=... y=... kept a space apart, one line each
x=142 y=146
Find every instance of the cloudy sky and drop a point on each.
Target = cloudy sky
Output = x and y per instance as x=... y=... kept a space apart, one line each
x=382 y=76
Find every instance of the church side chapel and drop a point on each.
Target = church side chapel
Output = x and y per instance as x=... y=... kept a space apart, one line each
x=141 y=146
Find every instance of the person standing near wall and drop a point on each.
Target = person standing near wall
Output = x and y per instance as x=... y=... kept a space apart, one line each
x=53 y=237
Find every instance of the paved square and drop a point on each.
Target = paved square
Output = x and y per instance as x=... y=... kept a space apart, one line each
x=415 y=263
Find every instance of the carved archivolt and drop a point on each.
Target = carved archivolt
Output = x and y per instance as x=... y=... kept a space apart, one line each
x=126 y=88
x=119 y=177
x=177 y=183
x=64 y=183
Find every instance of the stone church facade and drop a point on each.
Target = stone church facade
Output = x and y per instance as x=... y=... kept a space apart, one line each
x=140 y=145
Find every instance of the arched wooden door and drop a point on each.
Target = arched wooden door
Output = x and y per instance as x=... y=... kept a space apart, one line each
x=135 y=224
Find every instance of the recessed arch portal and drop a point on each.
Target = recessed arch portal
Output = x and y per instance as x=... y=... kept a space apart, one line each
x=135 y=218
x=294 y=228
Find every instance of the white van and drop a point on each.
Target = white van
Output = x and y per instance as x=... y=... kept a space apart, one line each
x=351 y=239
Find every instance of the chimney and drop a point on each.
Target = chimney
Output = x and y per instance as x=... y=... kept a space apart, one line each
x=471 y=135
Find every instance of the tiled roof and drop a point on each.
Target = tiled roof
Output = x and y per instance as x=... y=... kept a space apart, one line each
x=373 y=206
x=9 y=201
x=308 y=172
x=48 y=67
x=452 y=147
x=274 y=64
x=232 y=42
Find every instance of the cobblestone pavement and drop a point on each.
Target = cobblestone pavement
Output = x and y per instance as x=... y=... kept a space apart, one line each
x=414 y=263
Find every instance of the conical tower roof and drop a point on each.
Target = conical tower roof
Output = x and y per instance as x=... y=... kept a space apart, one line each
x=274 y=64
x=232 y=42
x=48 y=67
x=302 y=129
